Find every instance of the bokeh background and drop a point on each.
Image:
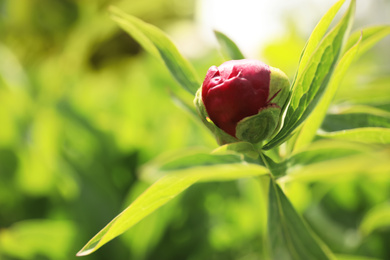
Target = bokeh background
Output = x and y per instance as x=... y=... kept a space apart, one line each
x=83 y=107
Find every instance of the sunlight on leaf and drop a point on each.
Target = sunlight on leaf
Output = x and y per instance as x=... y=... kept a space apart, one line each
x=164 y=190
x=159 y=45
x=313 y=122
x=376 y=218
x=371 y=35
x=365 y=40
x=365 y=163
x=316 y=36
x=369 y=135
x=309 y=85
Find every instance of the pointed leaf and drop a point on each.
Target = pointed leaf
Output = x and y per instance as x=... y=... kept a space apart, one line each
x=229 y=49
x=366 y=39
x=344 y=121
x=349 y=164
x=164 y=190
x=313 y=122
x=326 y=150
x=159 y=45
x=371 y=36
x=290 y=237
x=353 y=257
x=316 y=36
x=376 y=218
x=369 y=135
x=309 y=86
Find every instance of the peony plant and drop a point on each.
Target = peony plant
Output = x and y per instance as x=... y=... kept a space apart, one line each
x=254 y=111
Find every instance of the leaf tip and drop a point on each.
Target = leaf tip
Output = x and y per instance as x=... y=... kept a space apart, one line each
x=83 y=252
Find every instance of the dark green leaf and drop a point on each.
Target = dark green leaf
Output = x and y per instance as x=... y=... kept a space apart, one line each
x=337 y=122
x=290 y=237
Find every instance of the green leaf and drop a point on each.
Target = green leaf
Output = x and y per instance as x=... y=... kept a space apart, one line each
x=290 y=237
x=361 y=109
x=277 y=169
x=358 y=44
x=351 y=163
x=159 y=45
x=376 y=218
x=368 y=135
x=313 y=122
x=316 y=36
x=229 y=49
x=310 y=84
x=353 y=257
x=326 y=150
x=244 y=148
x=157 y=168
x=164 y=190
x=371 y=35
x=375 y=92
x=338 y=122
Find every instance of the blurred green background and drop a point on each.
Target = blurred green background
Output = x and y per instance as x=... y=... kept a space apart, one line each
x=83 y=107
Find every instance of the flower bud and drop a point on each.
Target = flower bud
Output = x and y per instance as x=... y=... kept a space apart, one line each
x=241 y=100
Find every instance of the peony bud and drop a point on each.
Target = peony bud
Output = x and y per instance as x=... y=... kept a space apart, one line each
x=241 y=100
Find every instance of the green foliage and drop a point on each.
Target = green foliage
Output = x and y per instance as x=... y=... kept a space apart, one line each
x=322 y=66
x=159 y=45
x=289 y=237
x=179 y=175
x=310 y=84
x=228 y=48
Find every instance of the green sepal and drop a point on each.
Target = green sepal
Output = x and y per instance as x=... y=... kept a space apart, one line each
x=279 y=87
x=257 y=128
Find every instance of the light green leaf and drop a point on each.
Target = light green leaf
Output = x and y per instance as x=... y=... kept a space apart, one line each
x=361 y=109
x=376 y=218
x=290 y=237
x=313 y=122
x=326 y=150
x=309 y=85
x=185 y=159
x=245 y=148
x=353 y=257
x=316 y=36
x=369 y=162
x=376 y=93
x=164 y=190
x=159 y=45
x=369 y=135
x=229 y=49
x=371 y=36
x=51 y=239
x=365 y=40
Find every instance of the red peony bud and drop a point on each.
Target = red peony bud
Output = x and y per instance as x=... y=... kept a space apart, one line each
x=241 y=89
